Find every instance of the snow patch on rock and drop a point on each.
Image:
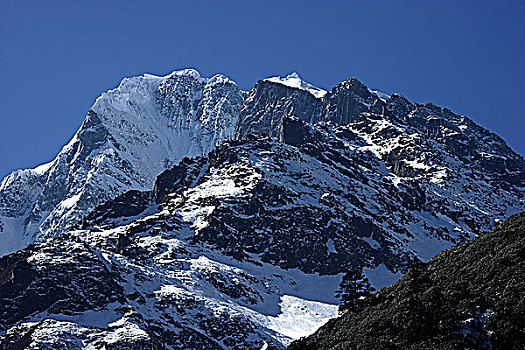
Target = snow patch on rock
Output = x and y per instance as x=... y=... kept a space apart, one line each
x=293 y=80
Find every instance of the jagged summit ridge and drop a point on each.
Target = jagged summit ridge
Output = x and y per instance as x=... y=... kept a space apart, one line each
x=148 y=123
x=215 y=218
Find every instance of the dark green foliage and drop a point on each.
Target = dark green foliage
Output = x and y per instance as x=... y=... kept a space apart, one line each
x=469 y=297
x=354 y=288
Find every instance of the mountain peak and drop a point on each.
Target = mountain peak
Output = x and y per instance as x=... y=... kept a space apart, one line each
x=190 y=72
x=293 y=80
x=220 y=79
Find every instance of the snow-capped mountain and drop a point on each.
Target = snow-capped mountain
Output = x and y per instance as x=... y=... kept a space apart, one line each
x=187 y=214
x=293 y=80
x=130 y=135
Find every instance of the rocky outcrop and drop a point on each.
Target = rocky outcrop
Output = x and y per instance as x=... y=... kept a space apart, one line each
x=268 y=103
x=348 y=100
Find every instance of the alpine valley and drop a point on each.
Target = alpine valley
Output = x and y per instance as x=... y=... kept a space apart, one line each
x=186 y=213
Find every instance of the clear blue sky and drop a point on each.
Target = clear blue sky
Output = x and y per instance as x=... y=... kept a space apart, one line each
x=57 y=56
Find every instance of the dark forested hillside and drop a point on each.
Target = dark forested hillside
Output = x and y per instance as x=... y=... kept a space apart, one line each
x=468 y=297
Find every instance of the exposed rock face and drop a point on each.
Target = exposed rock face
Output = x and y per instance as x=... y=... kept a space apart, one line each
x=348 y=100
x=294 y=132
x=469 y=297
x=268 y=103
x=216 y=218
x=45 y=281
x=326 y=203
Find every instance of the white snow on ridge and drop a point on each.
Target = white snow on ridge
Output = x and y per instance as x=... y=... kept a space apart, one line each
x=380 y=94
x=190 y=72
x=219 y=79
x=293 y=80
x=41 y=169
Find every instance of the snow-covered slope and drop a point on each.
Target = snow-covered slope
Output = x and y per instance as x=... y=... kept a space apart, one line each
x=187 y=214
x=160 y=290
x=131 y=134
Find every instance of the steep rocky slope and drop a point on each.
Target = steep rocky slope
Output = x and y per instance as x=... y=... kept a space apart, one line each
x=468 y=297
x=188 y=214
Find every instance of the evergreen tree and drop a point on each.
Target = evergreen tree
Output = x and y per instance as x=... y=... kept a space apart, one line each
x=354 y=288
